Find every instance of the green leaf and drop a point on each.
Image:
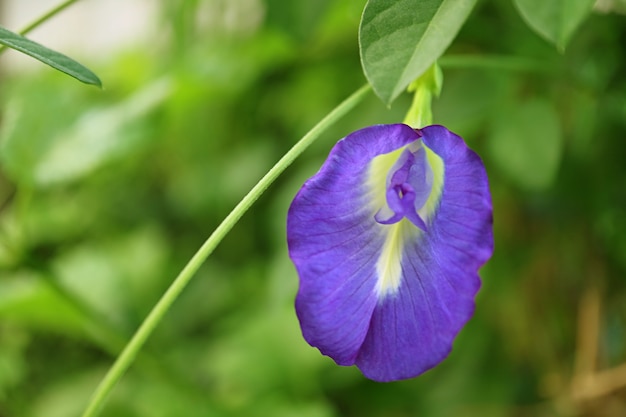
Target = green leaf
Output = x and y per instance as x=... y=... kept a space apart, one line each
x=55 y=59
x=554 y=20
x=400 y=39
x=526 y=143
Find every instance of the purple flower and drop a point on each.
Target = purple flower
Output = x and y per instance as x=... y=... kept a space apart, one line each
x=387 y=239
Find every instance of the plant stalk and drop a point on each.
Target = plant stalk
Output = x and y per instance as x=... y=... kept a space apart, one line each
x=126 y=358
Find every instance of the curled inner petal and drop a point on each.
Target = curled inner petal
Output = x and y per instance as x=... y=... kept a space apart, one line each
x=409 y=185
x=411 y=190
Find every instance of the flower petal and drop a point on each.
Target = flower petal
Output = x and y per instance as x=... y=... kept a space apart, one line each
x=390 y=298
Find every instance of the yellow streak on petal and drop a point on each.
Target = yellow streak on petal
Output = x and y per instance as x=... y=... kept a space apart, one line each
x=389 y=265
x=377 y=180
x=436 y=165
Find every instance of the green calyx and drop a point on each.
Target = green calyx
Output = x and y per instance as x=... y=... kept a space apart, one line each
x=424 y=88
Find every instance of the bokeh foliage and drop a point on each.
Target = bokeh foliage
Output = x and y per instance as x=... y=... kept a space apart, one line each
x=104 y=195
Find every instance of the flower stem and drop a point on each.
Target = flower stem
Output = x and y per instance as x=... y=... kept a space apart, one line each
x=125 y=359
x=50 y=14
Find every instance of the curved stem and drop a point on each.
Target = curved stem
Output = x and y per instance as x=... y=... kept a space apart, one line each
x=125 y=359
x=51 y=13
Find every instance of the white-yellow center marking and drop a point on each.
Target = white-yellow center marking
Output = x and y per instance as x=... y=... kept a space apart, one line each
x=389 y=263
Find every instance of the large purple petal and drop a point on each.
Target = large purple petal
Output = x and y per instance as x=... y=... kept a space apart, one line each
x=390 y=298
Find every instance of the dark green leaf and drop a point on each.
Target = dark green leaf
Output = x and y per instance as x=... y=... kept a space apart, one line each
x=55 y=59
x=400 y=39
x=555 y=20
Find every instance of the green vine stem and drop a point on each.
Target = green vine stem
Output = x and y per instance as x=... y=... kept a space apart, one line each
x=125 y=359
x=47 y=16
x=496 y=62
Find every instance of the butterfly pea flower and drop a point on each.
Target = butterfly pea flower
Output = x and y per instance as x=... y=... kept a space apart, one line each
x=387 y=239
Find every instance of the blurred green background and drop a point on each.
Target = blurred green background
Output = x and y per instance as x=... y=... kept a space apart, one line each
x=104 y=196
